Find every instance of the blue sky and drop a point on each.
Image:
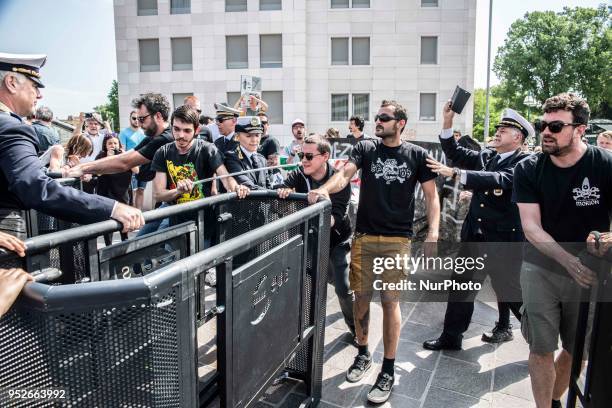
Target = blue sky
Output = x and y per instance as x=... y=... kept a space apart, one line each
x=79 y=38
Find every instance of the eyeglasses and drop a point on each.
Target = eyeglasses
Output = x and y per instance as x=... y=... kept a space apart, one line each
x=308 y=156
x=141 y=119
x=134 y=118
x=555 y=126
x=264 y=122
x=384 y=118
x=222 y=119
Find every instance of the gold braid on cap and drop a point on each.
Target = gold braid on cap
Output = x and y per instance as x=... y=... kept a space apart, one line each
x=511 y=123
x=26 y=72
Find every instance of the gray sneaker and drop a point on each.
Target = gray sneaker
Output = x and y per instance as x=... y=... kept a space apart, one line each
x=361 y=364
x=381 y=390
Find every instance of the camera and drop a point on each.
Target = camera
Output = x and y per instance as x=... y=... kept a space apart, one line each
x=88 y=115
x=117 y=151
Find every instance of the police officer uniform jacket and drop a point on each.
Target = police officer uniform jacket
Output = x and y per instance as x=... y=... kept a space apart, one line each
x=492 y=212
x=23 y=184
x=237 y=160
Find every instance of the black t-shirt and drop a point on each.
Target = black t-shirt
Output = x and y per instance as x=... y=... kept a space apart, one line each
x=149 y=145
x=388 y=181
x=573 y=201
x=200 y=162
x=114 y=186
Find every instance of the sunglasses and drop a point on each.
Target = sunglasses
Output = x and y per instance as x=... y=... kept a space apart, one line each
x=134 y=118
x=223 y=119
x=199 y=111
x=555 y=126
x=141 y=119
x=264 y=122
x=308 y=156
x=384 y=118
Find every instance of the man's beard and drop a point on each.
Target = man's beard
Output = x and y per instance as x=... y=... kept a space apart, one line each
x=151 y=130
x=385 y=134
x=555 y=149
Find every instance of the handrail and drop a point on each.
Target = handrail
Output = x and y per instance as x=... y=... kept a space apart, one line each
x=46 y=242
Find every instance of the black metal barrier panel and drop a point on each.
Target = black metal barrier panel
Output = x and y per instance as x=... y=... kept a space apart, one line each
x=112 y=341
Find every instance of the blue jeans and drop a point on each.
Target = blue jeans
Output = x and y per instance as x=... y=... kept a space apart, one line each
x=156 y=225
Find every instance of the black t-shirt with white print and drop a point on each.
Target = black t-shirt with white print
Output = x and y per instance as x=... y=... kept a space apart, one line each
x=573 y=201
x=388 y=181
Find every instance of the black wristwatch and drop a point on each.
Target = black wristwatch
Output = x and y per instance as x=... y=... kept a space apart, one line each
x=456 y=172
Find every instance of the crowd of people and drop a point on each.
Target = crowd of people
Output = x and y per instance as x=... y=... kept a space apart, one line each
x=544 y=199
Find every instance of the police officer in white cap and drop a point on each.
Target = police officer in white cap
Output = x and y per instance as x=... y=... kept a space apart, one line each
x=226 y=122
x=492 y=217
x=23 y=185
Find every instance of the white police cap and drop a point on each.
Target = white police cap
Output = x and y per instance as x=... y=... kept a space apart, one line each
x=26 y=64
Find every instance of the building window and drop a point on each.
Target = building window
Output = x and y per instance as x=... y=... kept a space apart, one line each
x=348 y=3
x=429 y=50
x=179 y=99
x=340 y=51
x=232 y=98
x=181 y=54
x=361 y=3
x=271 y=51
x=339 y=107
x=235 y=5
x=147 y=7
x=361 y=51
x=266 y=5
x=274 y=99
x=149 y=55
x=429 y=3
x=427 y=110
x=180 y=6
x=237 y=51
x=361 y=105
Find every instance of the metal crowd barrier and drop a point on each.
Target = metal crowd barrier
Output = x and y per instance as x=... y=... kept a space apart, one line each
x=112 y=341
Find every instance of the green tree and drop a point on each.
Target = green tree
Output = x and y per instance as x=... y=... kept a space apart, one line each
x=110 y=110
x=495 y=108
x=546 y=53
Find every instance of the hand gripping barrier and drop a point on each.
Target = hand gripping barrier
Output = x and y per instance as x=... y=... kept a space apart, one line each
x=134 y=342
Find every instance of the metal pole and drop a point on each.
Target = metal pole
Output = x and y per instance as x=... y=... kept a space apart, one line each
x=486 y=124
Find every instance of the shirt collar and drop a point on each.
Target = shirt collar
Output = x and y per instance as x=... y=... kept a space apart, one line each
x=230 y=136
x=246 y=153
x=504 y=156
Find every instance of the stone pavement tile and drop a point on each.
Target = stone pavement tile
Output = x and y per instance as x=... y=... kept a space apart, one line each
x=406 y=308
x=475 y=351
x=340 y=357
x=412 y=355
x=418 y=333
x=293 y=400
x=442 y=398
x=463 y=377
x=513 y=379
x=275 y=393
x=333 y=336
x=501 y=400
x=428 y=312
x=395 y=400
x=337 y=390
x=515 y=351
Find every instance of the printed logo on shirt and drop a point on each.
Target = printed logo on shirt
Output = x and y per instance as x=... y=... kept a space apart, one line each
x=586 y=195
x=184 y=172
x=390 y=171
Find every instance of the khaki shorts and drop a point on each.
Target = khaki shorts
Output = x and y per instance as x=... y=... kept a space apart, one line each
x=550 y=309
x=367 y=251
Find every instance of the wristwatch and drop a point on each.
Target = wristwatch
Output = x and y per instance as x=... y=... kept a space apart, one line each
x=456 y=172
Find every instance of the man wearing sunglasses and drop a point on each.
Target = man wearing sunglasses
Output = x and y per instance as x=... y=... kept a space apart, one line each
x=316 y=171
x=226 y=122
x=562 y=194
x=129 y=138
x=390 y=171
x=492 y=217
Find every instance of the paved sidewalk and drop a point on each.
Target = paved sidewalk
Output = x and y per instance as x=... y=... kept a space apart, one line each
x=480 y=375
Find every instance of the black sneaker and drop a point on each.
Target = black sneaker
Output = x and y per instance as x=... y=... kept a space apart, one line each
x=381 y=390
x=499 y=334
x=361 y=364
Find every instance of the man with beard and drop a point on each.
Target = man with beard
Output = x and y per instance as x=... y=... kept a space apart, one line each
x=492 y=217
x=315 y=171
x=23 y=185
x=299 y=131
x=390 y=169
x=152 y=111
x=562 y=194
